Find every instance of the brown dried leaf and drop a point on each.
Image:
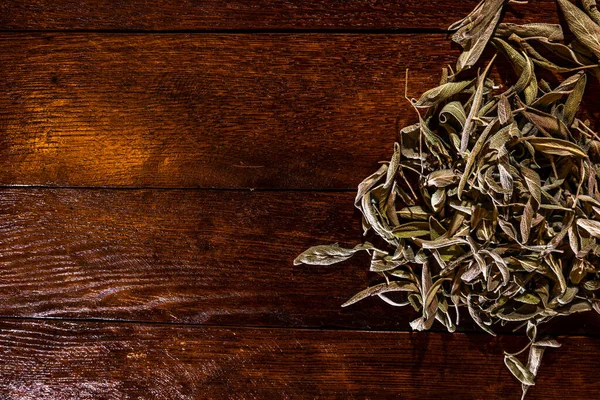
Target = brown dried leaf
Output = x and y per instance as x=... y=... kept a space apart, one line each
x=590 y=225
x=557 y=147
x=526 y=219
x=533 y=182
x=475 y=30
x=582 y=26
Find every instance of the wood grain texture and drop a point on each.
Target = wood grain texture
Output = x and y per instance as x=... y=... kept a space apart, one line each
x=211 y=111
x=215 y=257
x=163 y=15
x=205 y=257
x=68 y=361
x=268 y=111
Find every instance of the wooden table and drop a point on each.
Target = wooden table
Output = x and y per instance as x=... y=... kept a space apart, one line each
x=163 y=162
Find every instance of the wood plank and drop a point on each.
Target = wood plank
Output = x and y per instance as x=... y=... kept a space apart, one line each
x=211 y=111
x=64 y=360
x=209 y=257
x=265 y=111
x=215 y=257
x=240 y=14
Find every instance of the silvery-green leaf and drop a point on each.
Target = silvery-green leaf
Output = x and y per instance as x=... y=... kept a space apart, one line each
x=476 y=317
x=329 y=254
x=434 y=143
x=568 y=295
x=567 y=223
x=592 y=285
x=528 y=298
x=409 y=141
x=472 y=157
x=393 y=167
x=422 y=324
x=556 y=267
x=529 y=265
x=582 y=26
x=546 y=123
x=475 y=30
x=415 y=213
x=523 y=67
x=518 y=315
x=441 y=178
x=465 y=209
x=550 y=31
x=453 y=115
x=504 y=110
x=526 y=220
x=429 y=308
x=533 y=182
x=493 y=185
x=506 y=180
x=475 y=106
x=389 y=207
x=500 y=138
x=392 y=302
x=381 y=261
x=431 y=295
x=574 y=100
x=371 y=216
x=590 y=225
x=564 y=52
x=402 y=274
x=446 y=320
x=574 y=239
x=589 y=199
x=441 y=93
x=565 y=88
x=556 y=147
x=396 y=286
x=533 y=364
x=547 y=343
x=411 y=229
x=440 y=243
x=500 y=263
x=367 y=184
x=590 y=8
x=508 y=229
x=577 y=271
x=576 y=307
x=438 y=199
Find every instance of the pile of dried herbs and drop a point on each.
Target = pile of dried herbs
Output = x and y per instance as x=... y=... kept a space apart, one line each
x=505 y=220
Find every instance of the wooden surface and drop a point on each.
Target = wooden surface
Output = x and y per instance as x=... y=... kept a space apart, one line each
x=209 y=15
x=57 y=360
x=162 y=163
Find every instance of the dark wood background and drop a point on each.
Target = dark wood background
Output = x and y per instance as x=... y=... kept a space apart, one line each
x=161 y=165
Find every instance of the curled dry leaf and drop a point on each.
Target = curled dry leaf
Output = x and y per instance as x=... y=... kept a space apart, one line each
x=582 y=26
x=329 y=254
x=519 y=371
x=475 y=30
x=382 y=288
x=591 y=9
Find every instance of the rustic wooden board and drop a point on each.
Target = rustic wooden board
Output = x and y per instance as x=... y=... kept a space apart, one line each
x=212 y=257
x=240 y=14
x=271 y=111
x=216 y=257
x=64 y=361
x=212 y=111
